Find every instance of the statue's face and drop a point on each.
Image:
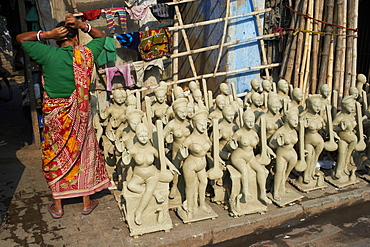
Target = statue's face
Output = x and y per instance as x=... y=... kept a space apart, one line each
x=160 y=97
x=134 y=122
x=284 y=87
x=325 y=92
x=293 y=120
x=143 y=137
x=190 y=112
x=258 y=101
x=221 y=104
x=197 y=98
x=229 y=116
x=181 y=112
x=255 y=85
x=298 y=97
x=249 y=121
x=267 y=86
x=315 y=106
x=201 y=125
x=274 y=106
x=224 y=89
x=350 y=107
x=119 y=97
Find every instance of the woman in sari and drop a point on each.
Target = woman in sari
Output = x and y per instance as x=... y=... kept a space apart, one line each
x=71 y=158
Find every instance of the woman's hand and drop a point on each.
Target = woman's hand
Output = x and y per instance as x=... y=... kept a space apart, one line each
x=72 y=22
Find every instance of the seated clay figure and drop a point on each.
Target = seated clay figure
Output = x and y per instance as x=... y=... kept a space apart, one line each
x=225 y=91
x=266 y=89
x=198 y=102
x=344 y=124
x=177 y=93
x=245 y=141
x=160 y=106
x=227 y=128
x=283 y=91
x=283 y=142
x=220 y=102
x=255 y=86
x=325 y=94
x=145 y=174
x=257 y=104
x=297 y=97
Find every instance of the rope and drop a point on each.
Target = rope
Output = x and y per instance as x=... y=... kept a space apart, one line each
x=327 y=23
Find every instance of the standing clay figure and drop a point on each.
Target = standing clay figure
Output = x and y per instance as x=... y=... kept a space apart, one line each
x=360 y=82
x=160 y=106
x=353 y=91
x=325 y=94
x=145 y=180
x=257 y=104
x=194 y=150
x=225 y=91
x=266 y=89
x=175 y=132
x=297 y=97
x=177 y=93
x=192 y=86
x=255 y=86
x=220 y=102
x=283 y=142
x=252 y=174
x=313 y=141
x=344 y=124
x=283 y=87
x=198 y=102
x=272 y=117
x=227 y=128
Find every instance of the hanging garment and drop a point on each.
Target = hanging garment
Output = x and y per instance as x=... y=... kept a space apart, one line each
x=160 y=10
x=155 y=43
x=110 y=13
x=109 y=52
x=122 y=70
x=138 y=13
x=91 y=14
x=129 y=40
x=142 y=66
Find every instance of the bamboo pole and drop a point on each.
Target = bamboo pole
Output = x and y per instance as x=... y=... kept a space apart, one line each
x=349 y=49
x=354 y=51
x=175 y=60
x=289 y=41
x=315 y=45
x=340 y=49
x=262 y=42
x=209 y=48
x=306 y=51
x=223 y=36
x=327 y=43
x=205 y=92
x=299 y=49
x=330 y=66
x=214 y=21
x=186 y=40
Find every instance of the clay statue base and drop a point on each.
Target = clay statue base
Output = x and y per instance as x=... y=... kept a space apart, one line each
x=198 y=215
x=289 y=197
x=219 y=193
x=155 y=217
x=314 y=184
x=238 y=205
x=175 y=202
x=344 y=181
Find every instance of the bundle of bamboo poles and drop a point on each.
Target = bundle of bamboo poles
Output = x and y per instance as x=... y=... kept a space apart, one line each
x=320 y=45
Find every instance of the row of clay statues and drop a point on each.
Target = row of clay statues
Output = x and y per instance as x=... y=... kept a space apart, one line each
x=170 y=156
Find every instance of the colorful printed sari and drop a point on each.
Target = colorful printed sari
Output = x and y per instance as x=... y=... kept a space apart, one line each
x=72 y=162
x=155 y=43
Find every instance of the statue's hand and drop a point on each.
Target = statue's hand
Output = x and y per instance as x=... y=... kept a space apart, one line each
x=184 y=151
x=111 y=135
x=280 y=139
x=174 y=170
x=343 y=124
x=233 y=143
x=271 y=154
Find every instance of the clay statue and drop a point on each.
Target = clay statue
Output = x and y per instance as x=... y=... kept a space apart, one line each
x=255 y=87
x=297 y=97
x=325 y=94
x=283 y=141
x=353 y=91
x=220 y=102
x=283 y=87
x=225 y=90
x=360 y=82
x=192 y=87
x=245 y=141
x=344 y=124
x=257 y=104
x=160 y=106
x=313 y=141
x=227 y=128
x=194 y=150
x=175 y=132
x=266 y=89
x=198 y=102
x=177 y=93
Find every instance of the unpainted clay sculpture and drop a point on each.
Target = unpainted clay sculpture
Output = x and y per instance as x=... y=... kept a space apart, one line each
x=225 y=90
x=257 y=104
x=160 y=106
x=255 y=87
x=194 y=150
x=147 y=191
x=283 y=142
x=198 y=102
x=177 y=93
x=192 y=87
x=266 y=89
x=297 y=97
x=283 y=93
x=325 y=94
x=220 y=103
x=344 y=124
x=175 y=132
x=247 y=174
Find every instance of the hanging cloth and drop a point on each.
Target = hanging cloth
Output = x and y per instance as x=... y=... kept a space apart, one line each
x=91 y=14
x=129 y=40
x=138 y=13
x=155 y=43
x=109 y=52
x=160 y=10
x=110 y=13
x=122 y=70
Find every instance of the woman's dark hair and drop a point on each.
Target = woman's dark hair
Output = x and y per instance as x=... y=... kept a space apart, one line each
x=72 y=32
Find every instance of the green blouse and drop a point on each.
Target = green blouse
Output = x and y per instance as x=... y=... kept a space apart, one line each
x=57 y=65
